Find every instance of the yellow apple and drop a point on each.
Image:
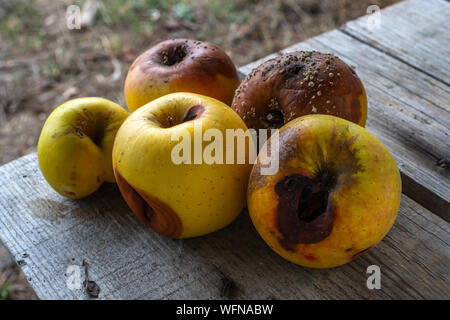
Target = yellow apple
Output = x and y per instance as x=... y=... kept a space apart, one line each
x=75 y=145
x=336 y=193
x=187 y=198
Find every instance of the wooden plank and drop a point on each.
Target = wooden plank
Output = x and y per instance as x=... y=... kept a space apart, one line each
x=408 y=111
x=129 y=261
x=414 y=32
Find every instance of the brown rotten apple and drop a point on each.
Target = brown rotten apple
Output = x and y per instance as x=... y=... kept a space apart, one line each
x=297 y=84
x=336 y=193
x=181 y=65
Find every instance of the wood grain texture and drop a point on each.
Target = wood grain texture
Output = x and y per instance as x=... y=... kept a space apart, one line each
x=414 y=32
x=129 y=261
x=408 y=111
x=405 y=70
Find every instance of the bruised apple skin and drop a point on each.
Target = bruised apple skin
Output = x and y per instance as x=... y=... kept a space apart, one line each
x=179 y=200
x=75 y=145
x=179 y=65
x=297 y=84
x=336 y=194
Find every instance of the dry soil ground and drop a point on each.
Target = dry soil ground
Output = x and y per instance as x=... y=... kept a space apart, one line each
x=43 y=63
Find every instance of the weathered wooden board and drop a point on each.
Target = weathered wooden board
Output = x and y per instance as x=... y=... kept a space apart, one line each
x=415 y=32
x=404 y=66
x=129 y=261
x=408 y=110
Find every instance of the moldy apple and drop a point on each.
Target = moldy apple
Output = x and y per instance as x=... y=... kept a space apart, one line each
x=335 y=196
x=300 y=83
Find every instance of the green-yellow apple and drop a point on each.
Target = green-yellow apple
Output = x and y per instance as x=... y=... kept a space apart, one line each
x=336 y=193
x=75 y=145
x=175 y=185
x=179 y=65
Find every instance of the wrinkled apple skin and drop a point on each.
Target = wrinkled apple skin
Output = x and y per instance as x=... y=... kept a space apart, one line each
x=205 y=69
x=178 y=200
x=363 y=193
x=300 y=83
x=75 y=145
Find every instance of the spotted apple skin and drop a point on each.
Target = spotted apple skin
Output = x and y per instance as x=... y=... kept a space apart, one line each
x=179 y=200
x=336 y=193
x=75 y=145
x=299 y=83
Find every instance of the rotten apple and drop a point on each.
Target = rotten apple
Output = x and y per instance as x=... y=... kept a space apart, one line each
x=297 y=84
x=336 y=193
x=181 y=65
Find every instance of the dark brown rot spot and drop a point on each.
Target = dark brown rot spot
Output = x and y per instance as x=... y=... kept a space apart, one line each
x=150 y=210
x=173 y=55
x=275 y=119
x=193 y=112
x=305 y=212
x=294 y=69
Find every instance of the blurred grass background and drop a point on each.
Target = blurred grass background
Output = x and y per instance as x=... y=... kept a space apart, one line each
x=43 y=63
